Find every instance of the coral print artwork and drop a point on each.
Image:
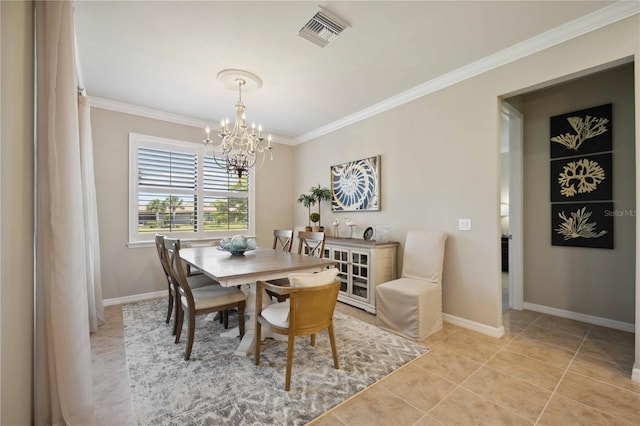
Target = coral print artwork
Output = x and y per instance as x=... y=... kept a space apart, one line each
x=585 y=178
x=582 y=225
x=581 y=132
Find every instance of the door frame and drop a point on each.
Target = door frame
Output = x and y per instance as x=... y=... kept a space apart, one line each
x=514 y=119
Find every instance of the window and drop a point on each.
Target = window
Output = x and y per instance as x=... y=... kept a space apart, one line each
x=177 y=189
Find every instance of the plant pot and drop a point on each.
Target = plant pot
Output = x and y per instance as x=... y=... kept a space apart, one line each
x=316 y=229
x=308 y=229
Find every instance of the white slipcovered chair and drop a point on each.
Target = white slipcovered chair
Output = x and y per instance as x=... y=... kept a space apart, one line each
x=411 y=306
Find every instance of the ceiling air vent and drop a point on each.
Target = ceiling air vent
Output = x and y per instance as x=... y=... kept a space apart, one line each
x=323 y=28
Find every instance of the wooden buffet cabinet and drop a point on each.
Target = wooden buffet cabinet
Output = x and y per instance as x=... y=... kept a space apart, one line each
x=363 y=265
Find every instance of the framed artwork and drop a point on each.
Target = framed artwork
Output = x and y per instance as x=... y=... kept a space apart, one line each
x=355 y=186
x=584 y=178
x=581 y=132
x=582 y=225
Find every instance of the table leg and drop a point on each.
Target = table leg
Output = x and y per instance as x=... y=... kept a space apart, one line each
x=246 y=344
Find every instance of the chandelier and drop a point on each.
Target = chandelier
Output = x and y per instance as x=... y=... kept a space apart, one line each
x=240 y=148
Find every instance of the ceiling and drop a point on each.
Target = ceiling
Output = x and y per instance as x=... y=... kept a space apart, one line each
x=166 y=55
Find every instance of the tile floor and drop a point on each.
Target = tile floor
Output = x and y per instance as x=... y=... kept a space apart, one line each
x=545 y=371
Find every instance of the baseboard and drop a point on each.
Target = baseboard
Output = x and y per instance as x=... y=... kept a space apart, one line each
x=496 y=332
x=134 y=298
x=604 y=322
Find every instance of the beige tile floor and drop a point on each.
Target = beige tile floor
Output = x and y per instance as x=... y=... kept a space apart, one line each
x=545 y=371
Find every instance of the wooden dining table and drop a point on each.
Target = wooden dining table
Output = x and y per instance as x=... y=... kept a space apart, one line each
x=261 y=264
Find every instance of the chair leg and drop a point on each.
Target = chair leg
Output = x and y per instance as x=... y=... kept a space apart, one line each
x=225 y=316
x=179 y=320
x=287 y=380
x=170 y=307
x=334 y=349
x=241 y=320
x=175 y=319
x=313 y=340
x=192 y=332
x=256 y=348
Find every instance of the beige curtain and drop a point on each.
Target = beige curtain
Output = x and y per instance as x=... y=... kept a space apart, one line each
x=90 y=211
x=63 y=384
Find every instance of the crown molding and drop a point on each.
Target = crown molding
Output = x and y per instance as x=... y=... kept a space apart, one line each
x=155 y=114
x=146 y=112
x=591 y=22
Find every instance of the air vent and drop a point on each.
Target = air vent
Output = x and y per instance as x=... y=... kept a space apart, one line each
x=323 y=28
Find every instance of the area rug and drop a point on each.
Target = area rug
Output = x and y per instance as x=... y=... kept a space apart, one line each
x=217 y=387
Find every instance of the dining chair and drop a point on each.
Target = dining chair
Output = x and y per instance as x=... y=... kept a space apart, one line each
x=195 y=281
x=200 y=301
x=282 y=239
x=411 y=305
x=308 y=311
x=309 y=244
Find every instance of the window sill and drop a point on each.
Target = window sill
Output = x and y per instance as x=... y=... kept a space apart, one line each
x=185 y=241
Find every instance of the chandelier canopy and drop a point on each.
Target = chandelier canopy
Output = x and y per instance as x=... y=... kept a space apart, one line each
x=240 y=148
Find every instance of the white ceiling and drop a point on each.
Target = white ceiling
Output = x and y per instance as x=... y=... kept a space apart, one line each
x=165 y=55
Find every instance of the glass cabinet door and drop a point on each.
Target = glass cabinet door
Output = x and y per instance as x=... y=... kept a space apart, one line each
x=341 y=257
x=360 y=275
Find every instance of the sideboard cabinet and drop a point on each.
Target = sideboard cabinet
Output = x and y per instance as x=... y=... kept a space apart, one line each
x=362 y=265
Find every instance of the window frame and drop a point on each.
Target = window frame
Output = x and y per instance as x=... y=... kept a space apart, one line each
x=137 y=239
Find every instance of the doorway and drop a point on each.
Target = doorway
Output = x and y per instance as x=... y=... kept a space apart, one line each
x=511 y=206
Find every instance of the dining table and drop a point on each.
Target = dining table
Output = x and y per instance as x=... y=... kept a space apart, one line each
x=261 y=264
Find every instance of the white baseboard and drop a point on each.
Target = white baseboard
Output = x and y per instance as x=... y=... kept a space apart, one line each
x=496 y=332
x=134 y=298
x=617 y=325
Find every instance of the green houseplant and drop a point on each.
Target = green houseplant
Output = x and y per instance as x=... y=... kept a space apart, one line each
x=307 y=201
x=320 y=194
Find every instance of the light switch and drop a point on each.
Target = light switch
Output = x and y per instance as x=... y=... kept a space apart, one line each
x=464 y=224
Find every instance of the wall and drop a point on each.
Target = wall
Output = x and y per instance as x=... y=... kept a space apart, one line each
x=596 y=282
x=440 y=162
x=16 y=213
x=132 y=271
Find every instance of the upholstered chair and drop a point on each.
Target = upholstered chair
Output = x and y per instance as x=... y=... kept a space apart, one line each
x=411 y=305
x=308 y=310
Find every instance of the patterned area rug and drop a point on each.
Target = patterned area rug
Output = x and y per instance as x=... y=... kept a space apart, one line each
x=217 y=387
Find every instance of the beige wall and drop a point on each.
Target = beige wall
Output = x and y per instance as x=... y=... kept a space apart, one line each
x=595 y=282
x=16 y=213
x=440 y=162
x=132 y=271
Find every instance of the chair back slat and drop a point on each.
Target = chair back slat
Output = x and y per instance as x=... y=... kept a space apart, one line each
x=282 y=239
x=311 y=243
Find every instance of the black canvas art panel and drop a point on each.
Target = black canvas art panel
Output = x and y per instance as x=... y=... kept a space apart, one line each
x=581 y=132
x=584 y=178
x=582 y=225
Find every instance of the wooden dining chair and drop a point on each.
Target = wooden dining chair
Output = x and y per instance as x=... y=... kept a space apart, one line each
x=308 y=311
x=282 y=239
x=201 y=300
x=309 y=244
x=196 y=280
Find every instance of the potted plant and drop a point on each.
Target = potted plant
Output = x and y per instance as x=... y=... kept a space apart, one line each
x=319 y=195
x=307 y=201
x=315 y=218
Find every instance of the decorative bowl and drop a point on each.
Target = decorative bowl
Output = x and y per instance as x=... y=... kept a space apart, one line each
x=234 y=252
x=237 y=245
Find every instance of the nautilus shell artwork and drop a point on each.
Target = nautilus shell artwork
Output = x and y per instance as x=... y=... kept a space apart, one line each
x=355 y=185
